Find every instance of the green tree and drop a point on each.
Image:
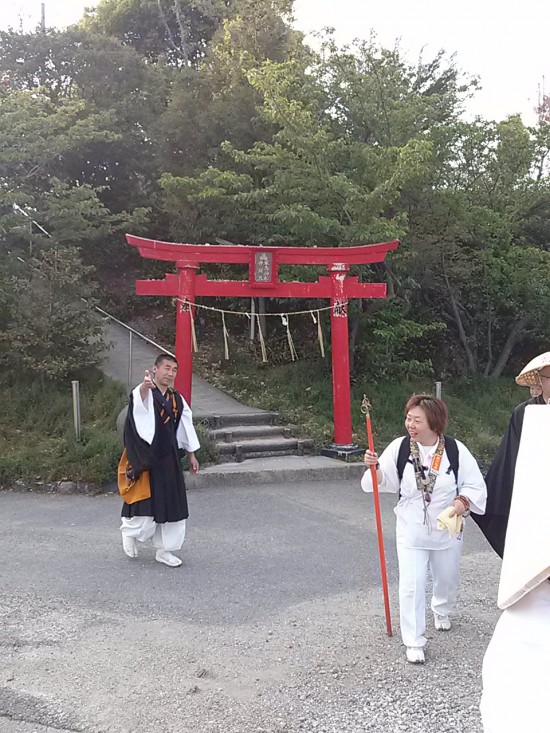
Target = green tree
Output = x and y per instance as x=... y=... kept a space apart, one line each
x=46 y=219
x=176 y=31
x=215 y=101
x=117 y=90
x=49 y=326
x=481 y=255
x=323 y=178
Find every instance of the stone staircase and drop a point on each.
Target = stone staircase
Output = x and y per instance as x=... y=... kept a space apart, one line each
x=240 y=431
x=245 y=435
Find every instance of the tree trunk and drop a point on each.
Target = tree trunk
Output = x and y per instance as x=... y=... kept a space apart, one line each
x=514 y=337
x=472 y=366
x=489 y=364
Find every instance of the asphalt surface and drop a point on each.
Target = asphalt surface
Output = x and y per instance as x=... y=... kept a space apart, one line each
x=273 y=624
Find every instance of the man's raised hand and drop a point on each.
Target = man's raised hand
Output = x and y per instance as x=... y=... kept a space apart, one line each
x=146 y=385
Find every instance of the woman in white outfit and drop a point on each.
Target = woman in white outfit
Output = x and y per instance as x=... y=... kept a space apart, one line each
x=427 y=462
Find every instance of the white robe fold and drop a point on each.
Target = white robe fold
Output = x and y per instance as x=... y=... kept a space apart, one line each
x=516 y=667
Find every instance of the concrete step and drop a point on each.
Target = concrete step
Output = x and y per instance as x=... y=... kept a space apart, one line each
x=232 y=433
x=268 y=454
x=275 y=470
x=264 y=446
x=262 y=417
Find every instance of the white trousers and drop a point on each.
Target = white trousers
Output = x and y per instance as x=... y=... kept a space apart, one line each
x=516 y=668
x=413 y=575
x=168 y=536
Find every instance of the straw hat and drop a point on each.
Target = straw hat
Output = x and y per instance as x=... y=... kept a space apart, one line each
x=528 y=377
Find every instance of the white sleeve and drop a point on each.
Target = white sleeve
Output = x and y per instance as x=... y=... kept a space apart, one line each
x=185 y=434
x=470 y=481
x=144 y=415
x=388 y=466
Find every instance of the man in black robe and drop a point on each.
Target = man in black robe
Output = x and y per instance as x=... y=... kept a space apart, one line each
x=158 y=426
x=500 y=477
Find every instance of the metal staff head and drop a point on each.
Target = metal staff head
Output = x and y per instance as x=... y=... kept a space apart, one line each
x=365 y=406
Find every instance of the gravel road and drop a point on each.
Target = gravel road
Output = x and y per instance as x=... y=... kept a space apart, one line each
x=273 y=624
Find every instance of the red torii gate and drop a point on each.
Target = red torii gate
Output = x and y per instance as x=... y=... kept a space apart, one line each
x=263 y=281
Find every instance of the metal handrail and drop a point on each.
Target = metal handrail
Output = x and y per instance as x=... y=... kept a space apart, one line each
x=133 y=330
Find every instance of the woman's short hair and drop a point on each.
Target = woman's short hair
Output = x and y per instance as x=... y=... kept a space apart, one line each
x=436 y=411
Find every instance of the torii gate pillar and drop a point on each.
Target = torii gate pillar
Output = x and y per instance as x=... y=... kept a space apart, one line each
x=341 y=391
x=184 y=328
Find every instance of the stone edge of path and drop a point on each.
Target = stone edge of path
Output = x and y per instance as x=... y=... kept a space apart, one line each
x=274 y=471
x=255 y=472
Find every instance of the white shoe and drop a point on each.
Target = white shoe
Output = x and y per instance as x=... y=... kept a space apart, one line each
x=415 y=655
x=129 y=545
x=167 y=558
x=442 y=623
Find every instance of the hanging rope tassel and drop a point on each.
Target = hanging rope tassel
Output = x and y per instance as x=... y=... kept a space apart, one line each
x=225 y=335
x=193 y=334
x=261 y=337
x=286 y=322
x=320 y=335
x=317 y=320
x=293 y=351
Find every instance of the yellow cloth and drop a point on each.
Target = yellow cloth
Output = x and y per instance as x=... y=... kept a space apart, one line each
x=453 y=524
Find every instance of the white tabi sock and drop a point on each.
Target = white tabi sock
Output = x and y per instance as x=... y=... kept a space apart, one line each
x=167 y=558
x=129 y=545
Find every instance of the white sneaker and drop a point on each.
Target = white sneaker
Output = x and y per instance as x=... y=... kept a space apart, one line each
x=442 y=623
x=129 y=545
x=415 y=655
x=167 y=558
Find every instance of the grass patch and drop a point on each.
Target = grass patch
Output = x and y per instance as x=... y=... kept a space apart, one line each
x=37 y=439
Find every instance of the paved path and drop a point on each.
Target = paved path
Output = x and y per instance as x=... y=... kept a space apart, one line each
x=207 y=400
x=273 y=624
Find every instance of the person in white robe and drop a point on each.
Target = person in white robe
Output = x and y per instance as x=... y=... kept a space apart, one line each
x=427 y=487
x=158 y=426
x=516 y=666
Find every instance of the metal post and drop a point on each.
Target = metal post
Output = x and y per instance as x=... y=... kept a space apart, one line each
x=438 y=390
x=130 y=357
x=76 y=409
x=252 y=319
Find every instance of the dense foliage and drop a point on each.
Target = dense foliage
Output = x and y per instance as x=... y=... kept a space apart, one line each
x=213 y=119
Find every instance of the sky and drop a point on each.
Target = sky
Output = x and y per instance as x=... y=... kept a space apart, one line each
x=505 y=44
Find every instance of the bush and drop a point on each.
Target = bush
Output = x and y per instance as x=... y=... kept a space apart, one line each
x=37 y=435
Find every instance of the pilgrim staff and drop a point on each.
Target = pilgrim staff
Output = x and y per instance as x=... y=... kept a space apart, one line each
x=365 y=409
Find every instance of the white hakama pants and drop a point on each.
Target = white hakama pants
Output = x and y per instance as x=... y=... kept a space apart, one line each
x=413 y=576
x=168 y=536
x=516 y=668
